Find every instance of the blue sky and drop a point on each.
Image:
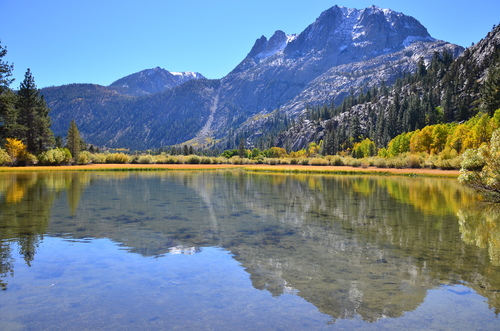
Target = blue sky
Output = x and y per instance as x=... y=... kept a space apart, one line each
x=100 y=41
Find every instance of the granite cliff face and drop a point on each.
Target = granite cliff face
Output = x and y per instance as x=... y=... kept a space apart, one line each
x=343 y=50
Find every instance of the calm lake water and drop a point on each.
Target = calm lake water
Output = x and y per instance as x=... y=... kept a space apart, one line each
x=231 y=250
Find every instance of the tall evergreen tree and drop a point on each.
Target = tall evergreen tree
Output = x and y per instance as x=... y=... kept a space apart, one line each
x=8 y=112
x=241 y=148
x=491 y=91
x=33 y=116
x=5 y=70
x=8 y=116
x=73 y=140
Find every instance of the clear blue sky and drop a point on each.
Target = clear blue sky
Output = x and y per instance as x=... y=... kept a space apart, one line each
x=100 y=41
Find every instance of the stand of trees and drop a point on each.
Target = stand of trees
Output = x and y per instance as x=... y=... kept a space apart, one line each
x=24 y=115
x=25 y=124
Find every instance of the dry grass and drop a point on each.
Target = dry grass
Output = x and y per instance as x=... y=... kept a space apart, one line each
x=285 y=168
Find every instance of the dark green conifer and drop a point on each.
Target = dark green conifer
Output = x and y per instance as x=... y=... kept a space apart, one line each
x=73 y=140
x=8 y=111
x=33 y=116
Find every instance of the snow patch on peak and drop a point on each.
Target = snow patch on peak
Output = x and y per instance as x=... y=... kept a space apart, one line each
x=187 y=75
x=276 y=44
x=291 y=37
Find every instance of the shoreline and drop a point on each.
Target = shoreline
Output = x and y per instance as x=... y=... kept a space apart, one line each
x=282 y=168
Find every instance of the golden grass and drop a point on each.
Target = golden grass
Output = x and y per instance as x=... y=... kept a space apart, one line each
x=282 y=168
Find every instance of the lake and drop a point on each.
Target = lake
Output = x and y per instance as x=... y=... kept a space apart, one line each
x=232 y=250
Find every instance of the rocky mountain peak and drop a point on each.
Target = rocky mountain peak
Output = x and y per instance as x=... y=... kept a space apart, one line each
x=372 y=30
x=264 y=48
x=151 y=81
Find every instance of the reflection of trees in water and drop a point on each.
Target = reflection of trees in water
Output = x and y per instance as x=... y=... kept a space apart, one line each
x=353 y=246
x=26 y=200
x=364 y=247
x=6 y=263
x=480 y=226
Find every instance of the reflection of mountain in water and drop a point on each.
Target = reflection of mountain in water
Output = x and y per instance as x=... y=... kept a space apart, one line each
x=352 y=246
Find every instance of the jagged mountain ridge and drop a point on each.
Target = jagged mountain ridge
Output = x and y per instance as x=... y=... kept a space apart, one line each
x=151 y=81
x=285 y=72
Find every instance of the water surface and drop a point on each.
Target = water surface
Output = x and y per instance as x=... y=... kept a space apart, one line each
x=232 y=250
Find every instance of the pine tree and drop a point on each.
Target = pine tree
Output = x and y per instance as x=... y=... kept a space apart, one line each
x=5 y=71
x=8 y=111
x=73 y=140
x=241 y=148
x=491 y=91
x=33 y=116
x=8 y=116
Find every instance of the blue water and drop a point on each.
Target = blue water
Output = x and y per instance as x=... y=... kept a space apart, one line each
x=233 y=251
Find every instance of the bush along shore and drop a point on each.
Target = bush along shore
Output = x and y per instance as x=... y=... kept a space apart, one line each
x=62 y=157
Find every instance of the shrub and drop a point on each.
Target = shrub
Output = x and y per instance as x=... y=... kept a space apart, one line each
x=193 y=159
x=206 y=160
x=397 y=162
x=134 y=159
x=335 y=160
x=117 y=158
x=98 y=158
x=27 y=159
x=236 y=160
x=18 y=153
x=414 y=161
x=380 y=162
x=166 y=159
x=218 y=160
x=304 y=161
x=4 y=158
x=481 y=167
x=456 y=162
x=276 y=152
x=260 y=160
x=145 y=159
x=15 y=149
x=294 y=161
x=473 y=160
x=83 y=158
x=55 y=157
x=317 y=161
x=160 y=159
x=352 y=162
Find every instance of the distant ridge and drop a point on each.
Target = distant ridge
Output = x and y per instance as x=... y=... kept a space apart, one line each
x=151 y=81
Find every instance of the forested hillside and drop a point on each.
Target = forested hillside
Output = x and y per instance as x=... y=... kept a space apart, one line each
x=441 y=91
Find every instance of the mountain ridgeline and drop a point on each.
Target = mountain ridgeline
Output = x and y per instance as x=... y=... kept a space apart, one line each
x=290 y=89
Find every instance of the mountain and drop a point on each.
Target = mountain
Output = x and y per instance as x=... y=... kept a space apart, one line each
x=151 y=81
x=444 y=90
x=345 y=51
